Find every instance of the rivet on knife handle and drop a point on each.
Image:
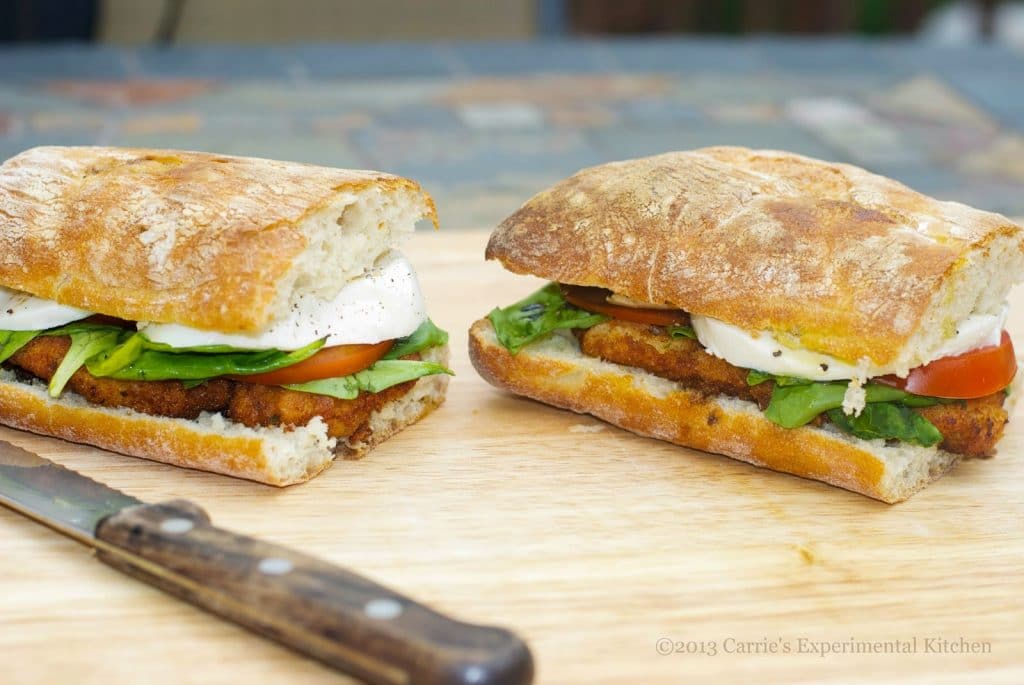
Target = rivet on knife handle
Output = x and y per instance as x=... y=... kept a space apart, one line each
x=322 y=610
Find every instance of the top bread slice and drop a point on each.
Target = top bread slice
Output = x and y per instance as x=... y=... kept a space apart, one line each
x=826 y=256
x=209 y=241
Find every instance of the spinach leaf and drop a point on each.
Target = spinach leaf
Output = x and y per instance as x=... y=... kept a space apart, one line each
x=886 y=393
x=206 y=349
x=119 y=357
x=388 y=372
x=342 y=388
x=795 y=405
x=681 y=332
x=888 y=421
x=426 y=336
x=12 y=341
x=538 y=315
x=755 y=377
x=796 y=401
x=155 y=365
x=380 y=376
x=79 y=327
x=85 y=344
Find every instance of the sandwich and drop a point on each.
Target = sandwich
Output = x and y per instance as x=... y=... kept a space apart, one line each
x=243 y=316
x=807 y=317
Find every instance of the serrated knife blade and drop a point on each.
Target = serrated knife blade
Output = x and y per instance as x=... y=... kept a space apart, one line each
x=58 y=497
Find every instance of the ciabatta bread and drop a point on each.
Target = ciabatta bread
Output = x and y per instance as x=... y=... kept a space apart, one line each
x=554 y=371
x=209 y=241
x=826 y=256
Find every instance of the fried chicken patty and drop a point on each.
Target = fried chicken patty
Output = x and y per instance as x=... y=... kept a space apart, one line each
x=678 y=359
x=247 y=403
x=970 y=427
x=271 y=405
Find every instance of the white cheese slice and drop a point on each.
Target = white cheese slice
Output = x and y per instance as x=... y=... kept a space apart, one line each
x=385 y=303
x=763 y=351
x=20 y=311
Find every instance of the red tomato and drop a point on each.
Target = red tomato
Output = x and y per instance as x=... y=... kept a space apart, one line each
x=972 y=374
x=596 y=300
x=330 y=362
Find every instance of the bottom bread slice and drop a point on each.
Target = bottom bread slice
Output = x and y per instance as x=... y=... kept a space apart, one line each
x=555 y=372
x=271 y=455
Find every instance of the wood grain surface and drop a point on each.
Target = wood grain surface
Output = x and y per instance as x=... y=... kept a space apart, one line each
x=591 y=543
x=320 y=609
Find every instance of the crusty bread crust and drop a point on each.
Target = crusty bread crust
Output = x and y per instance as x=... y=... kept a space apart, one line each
x=555 y=372
x=193 y=238
x=212 y=443
x=829 y=256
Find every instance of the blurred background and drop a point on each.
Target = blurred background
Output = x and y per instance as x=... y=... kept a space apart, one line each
x=276 y=21
x=486 y=103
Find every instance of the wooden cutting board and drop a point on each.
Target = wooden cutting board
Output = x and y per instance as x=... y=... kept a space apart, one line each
x=602 y=549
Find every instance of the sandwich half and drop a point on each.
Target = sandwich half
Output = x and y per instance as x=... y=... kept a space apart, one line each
x=243 y=316
x=807 y=317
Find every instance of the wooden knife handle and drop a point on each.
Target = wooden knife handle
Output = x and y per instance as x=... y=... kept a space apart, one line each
x=336 y=616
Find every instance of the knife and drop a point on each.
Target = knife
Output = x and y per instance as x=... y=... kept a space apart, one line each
x=322 y=610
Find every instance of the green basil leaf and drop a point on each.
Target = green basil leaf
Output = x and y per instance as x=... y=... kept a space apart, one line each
x=538 y=315
x=154 y=365
x=85 y=344
x=426 y=336
x=888 y=421
x=380 y=376
x=195 y=383
x=681 y=332
x=12 y=341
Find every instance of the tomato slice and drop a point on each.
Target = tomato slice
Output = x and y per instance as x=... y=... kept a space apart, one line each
x=330 y=362
x=965 y=376
x=596 y=300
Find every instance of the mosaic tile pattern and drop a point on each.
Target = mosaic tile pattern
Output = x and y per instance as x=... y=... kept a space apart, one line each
x=484 y=126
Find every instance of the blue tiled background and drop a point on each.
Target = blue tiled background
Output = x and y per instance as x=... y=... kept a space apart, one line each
x=485 y=125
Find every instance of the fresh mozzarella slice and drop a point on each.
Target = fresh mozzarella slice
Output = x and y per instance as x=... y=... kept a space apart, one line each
x=20 y=311
x=977 y=330
x=383 y=304
x=763 y=351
